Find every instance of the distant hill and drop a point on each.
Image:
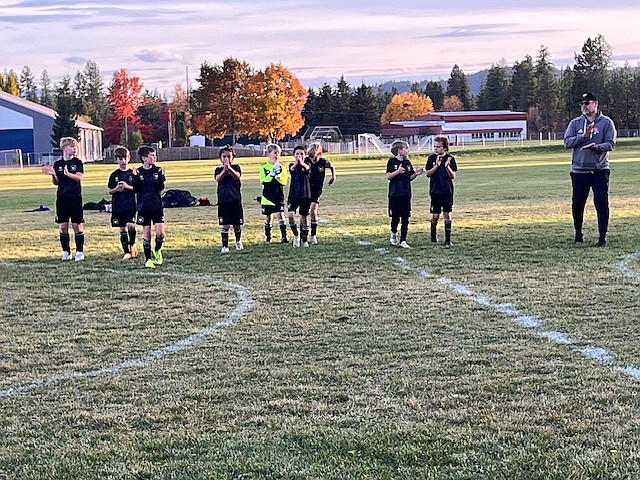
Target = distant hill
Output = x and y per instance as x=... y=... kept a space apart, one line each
x=475 y=82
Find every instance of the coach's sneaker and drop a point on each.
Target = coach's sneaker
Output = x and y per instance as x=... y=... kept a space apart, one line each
x=448 y=243
x=65 y=256
x=224 y=250
x=393 y=238
x=305 y=244
x=79 y=256
x=126 y=256
x=158 y=259
x=313 y=240
x=296 y=241
x=149 y=264
x=239 y=246
x=578 y=238
x=404 y=244
x=134 y=251
x=602 y=242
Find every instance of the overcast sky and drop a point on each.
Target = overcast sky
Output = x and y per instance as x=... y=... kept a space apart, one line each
x=318 y=40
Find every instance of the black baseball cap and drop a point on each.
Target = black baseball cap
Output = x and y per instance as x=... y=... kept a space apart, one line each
x=587 y=96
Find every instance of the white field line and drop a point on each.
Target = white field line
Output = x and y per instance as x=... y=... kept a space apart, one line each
x=624 y=268
x=245 y=304
x=530 y=322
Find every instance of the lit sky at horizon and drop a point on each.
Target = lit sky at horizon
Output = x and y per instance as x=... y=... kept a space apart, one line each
x=317 y=40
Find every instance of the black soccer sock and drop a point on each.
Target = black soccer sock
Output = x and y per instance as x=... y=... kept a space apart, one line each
x=146 y=246
x=65 y=242
x=237 y=230
x=395 y=221
x=314 y=228
x=79 y=238
x=124 y=240
x=447 y=231
x=224 y=234
x=132 y=236
x=159 y=242
x=267 y=231
x=304 y=233
x=434 y=230
x=404 y=229
x=283 y=229
x=294 y=229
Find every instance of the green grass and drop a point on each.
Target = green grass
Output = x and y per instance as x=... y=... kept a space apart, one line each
x=347 y=366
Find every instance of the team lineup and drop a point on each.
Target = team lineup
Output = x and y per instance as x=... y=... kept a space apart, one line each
x=137 y=192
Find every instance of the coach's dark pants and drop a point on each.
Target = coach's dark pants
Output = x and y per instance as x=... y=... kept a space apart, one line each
x=598 y=181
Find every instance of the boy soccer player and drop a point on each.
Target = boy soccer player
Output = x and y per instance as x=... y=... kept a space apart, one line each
x=273 y=178
x=67 y=175
x=319 y=166
x=441 y=169
x=299 y=196
x=229 y=198
x=148 y=184
x=123 y=212
x=400 y=174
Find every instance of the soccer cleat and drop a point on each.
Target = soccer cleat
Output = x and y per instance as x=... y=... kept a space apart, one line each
x=296 y=241
x=313 y=240
x=126 y=256
x=65 y=256
x=284 y=240
x=224 y=250
x=239 y=246
x=404 y=244
x=305 y=244
x=149 y=264
x=134 y=251
x=79 y=256
x=393 y=238
x=158 y=259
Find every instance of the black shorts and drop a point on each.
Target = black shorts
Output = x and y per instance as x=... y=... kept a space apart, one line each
x=69 y=208
x=271 y=209
x=301 y=204
x=230 y=213
x=441 y=203
x=315 y=196
x=146 y=217
x=120 y=219
x=399 y=207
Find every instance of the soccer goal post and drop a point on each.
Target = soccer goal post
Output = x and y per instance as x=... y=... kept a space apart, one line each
x=11 y=158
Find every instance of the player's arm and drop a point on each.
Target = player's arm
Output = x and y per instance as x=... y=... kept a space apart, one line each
x=220 y=175
x=73 y=176
x=449 y=168
x=333 y=173
x=49 y=170
x=417 y=172
x=162 y=178
x=433 y=169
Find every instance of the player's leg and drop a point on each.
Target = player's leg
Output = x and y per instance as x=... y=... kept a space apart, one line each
x=447 y=228
x=283 y=227
x=267 y=226
x=292 y=224
x=131 y=234
x=313 y=218
x=224 y=237
x=146 y=242
x=124 y=241
x=159 y=229
x=77 y=223
x=65 y=242
x=395 y=221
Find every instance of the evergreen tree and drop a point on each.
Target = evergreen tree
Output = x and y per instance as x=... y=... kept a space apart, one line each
x=343 y=107
x=494 y=94
x=64 y=125
x=545 y=93
x=28 y=87
x=364 y=111
x=620 y=90
x=522 y=85
x=458 y=85
x=591 y=70
x=435 y=92
x=94 y=94
x=568 y=108
x=46 y=93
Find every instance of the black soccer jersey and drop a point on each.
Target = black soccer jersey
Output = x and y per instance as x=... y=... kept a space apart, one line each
x=300 y=186
x=400 y=185
x=148 y=184
x=229 y=187
x=66 y=186
x=440 y=183
x=317 y=172
x=124 y=201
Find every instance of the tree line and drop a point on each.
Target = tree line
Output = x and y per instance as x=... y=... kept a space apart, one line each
x=234 y=99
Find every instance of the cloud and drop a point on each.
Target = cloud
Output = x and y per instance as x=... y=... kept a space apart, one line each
x=153 y=55
x=76 y=60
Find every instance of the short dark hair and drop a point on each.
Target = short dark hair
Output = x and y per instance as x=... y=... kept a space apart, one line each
x=121 y=152
x=444 y=141
x=299 y=147
x=227 y=148
x=145 y=150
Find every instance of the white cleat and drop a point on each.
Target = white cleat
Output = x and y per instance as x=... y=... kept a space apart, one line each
x=224 y=250
x=296 y=241
x=79 y=256
x=239 y=246
x=65 y=256
x=305 y=244
x=393 y=238
x=404 y=245
x=313 y=240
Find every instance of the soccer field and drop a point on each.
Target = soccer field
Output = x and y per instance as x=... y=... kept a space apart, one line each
x=513 y=355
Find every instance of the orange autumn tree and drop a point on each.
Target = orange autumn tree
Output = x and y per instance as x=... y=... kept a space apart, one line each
x=406 y=106
x=277 y=99
x=452 y=104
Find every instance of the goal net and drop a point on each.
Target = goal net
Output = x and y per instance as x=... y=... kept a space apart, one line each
x=11 y=158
